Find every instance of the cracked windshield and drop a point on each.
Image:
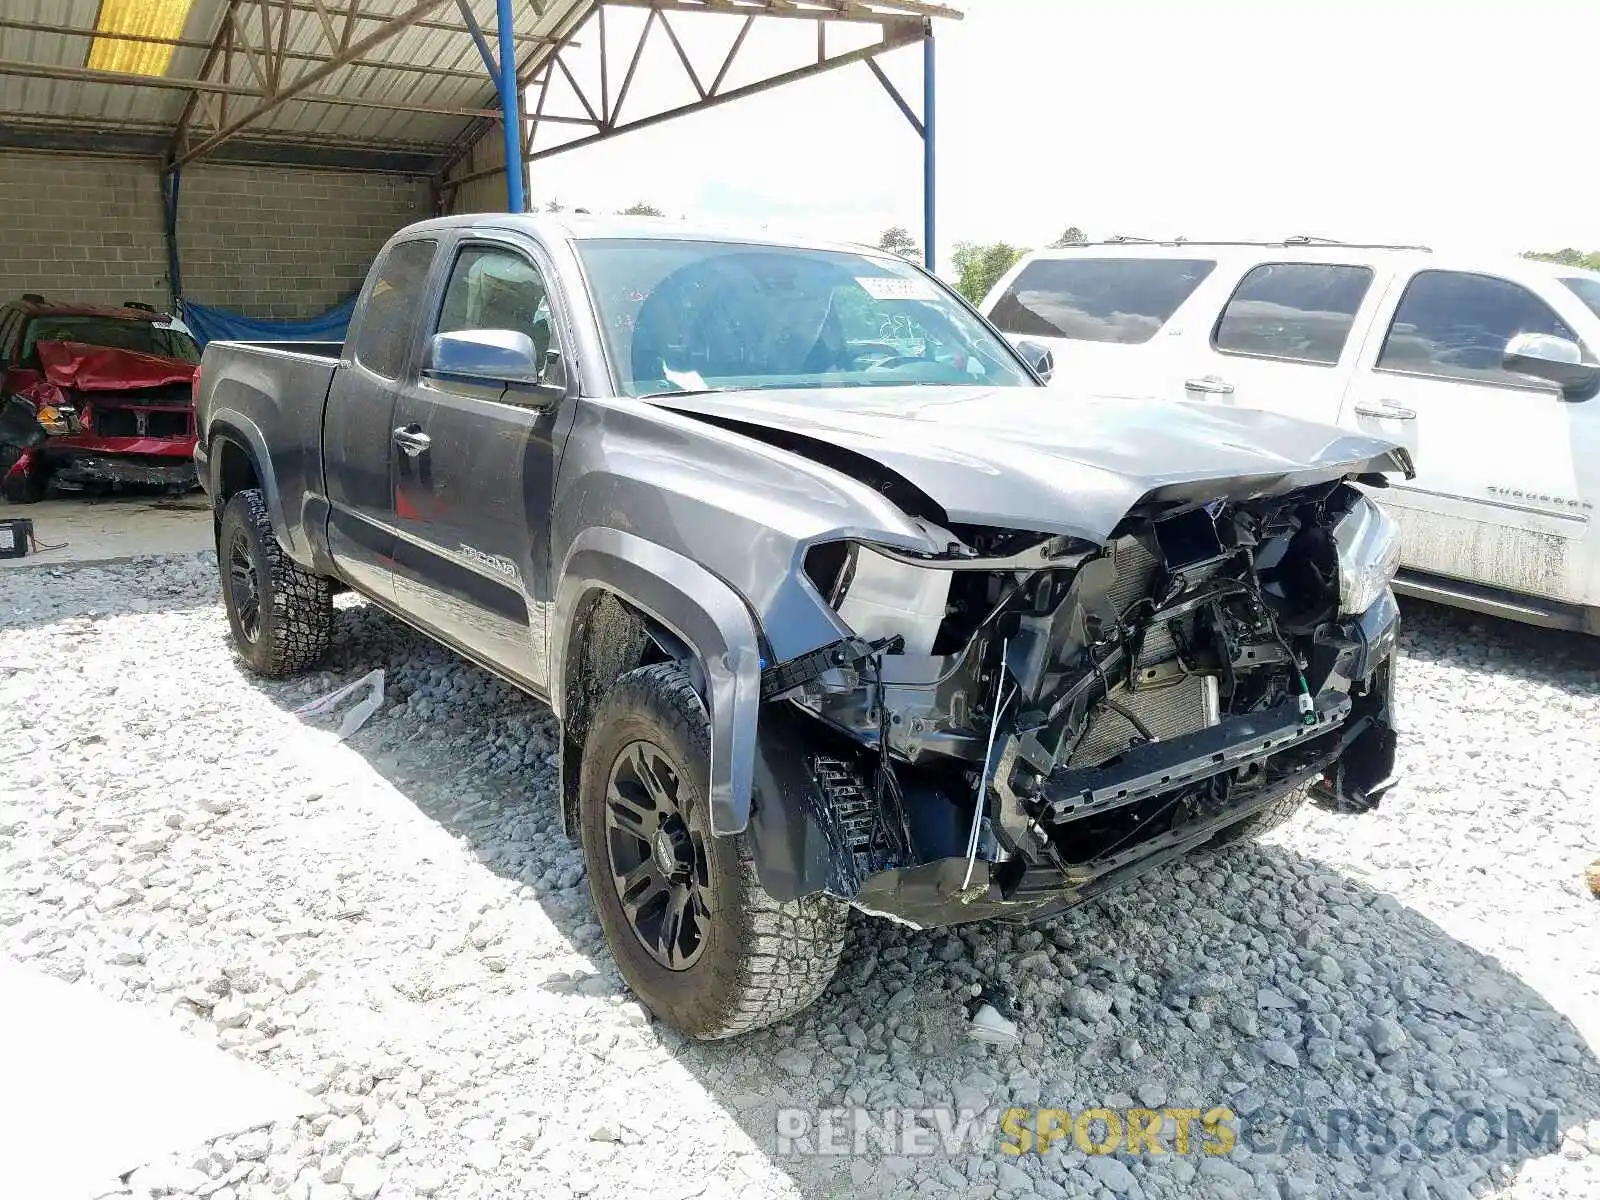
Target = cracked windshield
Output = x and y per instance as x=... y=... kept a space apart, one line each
x=689 y=316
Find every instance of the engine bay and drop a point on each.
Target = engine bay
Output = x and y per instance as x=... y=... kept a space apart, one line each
x=1017 y=720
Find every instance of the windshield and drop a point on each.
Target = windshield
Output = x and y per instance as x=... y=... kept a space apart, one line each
x=1588 y=289
x=120 y=333
x=683 y=316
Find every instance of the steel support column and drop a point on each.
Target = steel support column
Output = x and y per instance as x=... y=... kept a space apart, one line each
x=169 y=210
x=511 y=109
x=929 y=258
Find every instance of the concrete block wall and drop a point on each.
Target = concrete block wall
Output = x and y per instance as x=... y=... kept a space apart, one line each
x=81 y=229
x=281 y=243
x=268 y=242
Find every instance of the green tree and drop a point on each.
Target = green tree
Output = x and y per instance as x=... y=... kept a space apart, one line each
x=554 y=206
x=897 y=239
x=642 y=209
x=979 y=267
x=1071 y=236
x=1588 y=260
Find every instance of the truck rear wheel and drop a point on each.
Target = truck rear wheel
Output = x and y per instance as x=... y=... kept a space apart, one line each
x=695 y=936
x=281 y=615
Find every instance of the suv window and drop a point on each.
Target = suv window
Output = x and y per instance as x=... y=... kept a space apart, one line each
x=390 y=314
x=1587 y=288
x=1455 y=324
x=1297 y=311
x=492 y=287
x=1124 y=300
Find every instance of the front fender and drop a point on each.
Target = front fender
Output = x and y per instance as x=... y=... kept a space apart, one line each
x=708 y=616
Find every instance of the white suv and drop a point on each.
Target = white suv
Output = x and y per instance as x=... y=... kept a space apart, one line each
x=1486 y=368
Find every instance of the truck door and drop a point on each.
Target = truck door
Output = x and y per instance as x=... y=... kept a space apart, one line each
x=475 y=472
x=1497 y=499
x=357 y=423
x=1282 y=341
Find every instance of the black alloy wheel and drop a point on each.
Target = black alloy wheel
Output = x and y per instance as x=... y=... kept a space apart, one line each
x=244 y=586
x=658 y=857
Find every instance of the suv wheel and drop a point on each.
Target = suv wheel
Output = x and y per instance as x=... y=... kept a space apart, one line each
x=281 y=615
x=695 y=936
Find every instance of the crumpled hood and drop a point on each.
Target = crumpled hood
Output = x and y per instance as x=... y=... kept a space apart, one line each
x=86 y=368
x=1033 y=458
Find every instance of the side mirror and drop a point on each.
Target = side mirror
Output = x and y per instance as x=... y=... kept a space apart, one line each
x=489 y=357
x=1037 y=356
x=1556 y=359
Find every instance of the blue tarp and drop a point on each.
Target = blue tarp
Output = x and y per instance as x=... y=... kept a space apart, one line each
x=209 y=324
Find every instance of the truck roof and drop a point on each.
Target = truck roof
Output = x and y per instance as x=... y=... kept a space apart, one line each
x=584 y=227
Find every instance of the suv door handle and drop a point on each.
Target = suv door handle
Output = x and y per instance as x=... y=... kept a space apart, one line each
x=1210 y=385
x=1386 y=408
x=411 y=439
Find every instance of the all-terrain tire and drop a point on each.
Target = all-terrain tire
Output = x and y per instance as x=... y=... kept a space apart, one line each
x=1262 y=820
x=294 y=619
x=25 y=489
x=762 y=960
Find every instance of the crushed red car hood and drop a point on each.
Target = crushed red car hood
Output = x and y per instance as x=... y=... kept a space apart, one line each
x=86 y=368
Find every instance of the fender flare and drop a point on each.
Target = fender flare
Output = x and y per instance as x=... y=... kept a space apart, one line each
x=708 y=616
x=230 y=425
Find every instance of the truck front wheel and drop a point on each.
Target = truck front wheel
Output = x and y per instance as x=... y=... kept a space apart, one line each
x=695 y=936
x=1262 y=820
x=281 y=616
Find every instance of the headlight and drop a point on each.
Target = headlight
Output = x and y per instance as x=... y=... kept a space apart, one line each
x=1369 y=554
x=58 y=419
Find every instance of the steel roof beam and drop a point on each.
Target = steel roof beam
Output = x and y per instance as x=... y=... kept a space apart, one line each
x=871 y=12
x=897 y=31
x=374 y=64
x=171 y=83
x=305 y=82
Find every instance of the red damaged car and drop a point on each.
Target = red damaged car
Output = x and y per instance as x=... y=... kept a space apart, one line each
x=92 y=397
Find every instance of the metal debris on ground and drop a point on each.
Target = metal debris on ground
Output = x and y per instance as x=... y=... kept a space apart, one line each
x=993 y=1016
x=357 y=716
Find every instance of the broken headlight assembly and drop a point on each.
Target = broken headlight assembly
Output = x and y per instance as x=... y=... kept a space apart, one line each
x=59 y=419
x=1368 y=547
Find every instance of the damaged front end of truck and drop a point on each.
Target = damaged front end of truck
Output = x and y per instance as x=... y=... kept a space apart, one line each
x=1020 y=721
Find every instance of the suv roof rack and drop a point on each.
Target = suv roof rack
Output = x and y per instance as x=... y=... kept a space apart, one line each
x=1298 y=239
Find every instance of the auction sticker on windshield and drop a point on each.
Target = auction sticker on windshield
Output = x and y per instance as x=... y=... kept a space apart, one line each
x=888 y=287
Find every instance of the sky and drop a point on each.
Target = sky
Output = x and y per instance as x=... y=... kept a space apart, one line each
x=1465 y=124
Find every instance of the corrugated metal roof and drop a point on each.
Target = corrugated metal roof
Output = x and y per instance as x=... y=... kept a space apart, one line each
x=418 y=91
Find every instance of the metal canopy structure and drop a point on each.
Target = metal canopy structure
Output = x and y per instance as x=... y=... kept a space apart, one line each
x=406 y=86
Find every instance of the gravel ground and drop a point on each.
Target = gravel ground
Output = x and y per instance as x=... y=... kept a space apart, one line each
x=397 y=925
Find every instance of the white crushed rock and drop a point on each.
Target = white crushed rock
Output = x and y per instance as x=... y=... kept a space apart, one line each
x=397 y=925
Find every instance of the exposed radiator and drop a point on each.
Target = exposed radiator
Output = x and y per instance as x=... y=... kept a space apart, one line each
x=1169 y=711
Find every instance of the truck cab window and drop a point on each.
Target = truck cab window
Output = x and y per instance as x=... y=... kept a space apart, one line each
x=393 y=307
x=1457 y=324
x=494 y=288
x=1297 y=311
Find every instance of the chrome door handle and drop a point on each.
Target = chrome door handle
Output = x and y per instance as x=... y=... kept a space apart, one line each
x=1386 y=408
x=1210 y=385
x=412 y=440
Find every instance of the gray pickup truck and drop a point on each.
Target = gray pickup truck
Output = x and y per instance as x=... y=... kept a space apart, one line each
x=837 y=604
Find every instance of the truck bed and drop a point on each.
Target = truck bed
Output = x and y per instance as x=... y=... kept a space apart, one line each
x=279 y=389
